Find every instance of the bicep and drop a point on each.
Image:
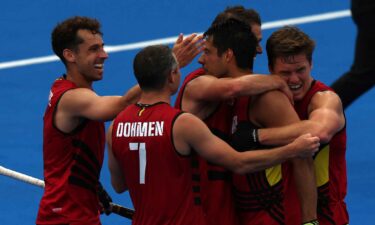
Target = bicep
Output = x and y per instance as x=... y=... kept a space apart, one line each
x=325 y=108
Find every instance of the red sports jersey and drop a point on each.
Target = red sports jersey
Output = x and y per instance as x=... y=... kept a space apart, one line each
x=72 y=164
x=258 y=195
x=216 y=189
x=330 y=169
x=160 y=180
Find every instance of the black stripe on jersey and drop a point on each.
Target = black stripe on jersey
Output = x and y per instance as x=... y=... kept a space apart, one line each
x=196 y=177
x=194 y=162
x=84 y=175
x=87 y=151
x=261 y=196
x=196 y=189
x=219 y=175
x=79 y=182
x=197 y=201
x=268 y=197
x=323 y=203
x=81 y=162
x=86 y=169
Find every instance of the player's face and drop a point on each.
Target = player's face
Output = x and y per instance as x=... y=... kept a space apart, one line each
x=90 y=56
x=296 y=71
x=257 y=31
x=213 y=63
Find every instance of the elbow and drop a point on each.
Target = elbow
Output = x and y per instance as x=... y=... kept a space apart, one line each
x=234 y=90
x=242 y=168
x=324 y=136
x=321 y=132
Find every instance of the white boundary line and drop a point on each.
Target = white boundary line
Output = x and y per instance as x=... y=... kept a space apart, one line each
x=170 y=40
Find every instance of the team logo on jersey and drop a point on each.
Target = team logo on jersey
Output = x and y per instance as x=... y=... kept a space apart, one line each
x=141 y=111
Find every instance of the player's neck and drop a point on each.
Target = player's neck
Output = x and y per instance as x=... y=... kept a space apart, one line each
x=78 y=79
x=153 y=97
x=238 y=72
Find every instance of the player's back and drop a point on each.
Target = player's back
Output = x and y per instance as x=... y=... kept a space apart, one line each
x=158 y=177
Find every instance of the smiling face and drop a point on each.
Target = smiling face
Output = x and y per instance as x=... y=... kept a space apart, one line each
x=89 y=57
x=296 y=71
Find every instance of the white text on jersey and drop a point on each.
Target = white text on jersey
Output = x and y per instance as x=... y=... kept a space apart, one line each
x=140 y=129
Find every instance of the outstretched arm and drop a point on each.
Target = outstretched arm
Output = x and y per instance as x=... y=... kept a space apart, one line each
x=79 y=103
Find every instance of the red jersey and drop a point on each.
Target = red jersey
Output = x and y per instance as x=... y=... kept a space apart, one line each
x=258 y=196
x=160 y=180
x=330 y=170
x=216 y=187
x=72 y=163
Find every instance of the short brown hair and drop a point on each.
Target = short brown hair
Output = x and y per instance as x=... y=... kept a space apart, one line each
x=288 y=41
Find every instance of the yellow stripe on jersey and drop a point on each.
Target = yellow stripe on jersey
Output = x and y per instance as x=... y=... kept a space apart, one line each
x=321 y=163
x=273 y=175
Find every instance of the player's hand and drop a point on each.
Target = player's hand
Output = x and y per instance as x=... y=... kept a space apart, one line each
x=186 y=49
x=306 y=145
x=104 y=200
x=245 y=137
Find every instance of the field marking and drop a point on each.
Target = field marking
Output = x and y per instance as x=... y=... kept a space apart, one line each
x=170 y=40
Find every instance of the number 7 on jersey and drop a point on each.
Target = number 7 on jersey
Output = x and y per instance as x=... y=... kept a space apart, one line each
x=141 y=147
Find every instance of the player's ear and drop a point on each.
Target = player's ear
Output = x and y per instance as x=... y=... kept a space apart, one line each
x=69 y=55
x=229 y=55
x=170 y=78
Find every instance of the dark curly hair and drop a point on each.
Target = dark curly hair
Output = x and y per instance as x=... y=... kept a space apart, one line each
x=64 y=35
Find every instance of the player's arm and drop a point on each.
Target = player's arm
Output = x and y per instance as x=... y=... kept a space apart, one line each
x=210 y=88
x=326 y=118
x=186 y=49
x=117 y=176
x=219 y=152
x=273 y=109
x=83 y=102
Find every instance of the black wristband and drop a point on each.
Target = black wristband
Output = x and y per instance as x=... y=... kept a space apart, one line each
x=312 y=222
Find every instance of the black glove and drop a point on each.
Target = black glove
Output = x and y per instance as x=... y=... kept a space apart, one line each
x=104 y=199
x=245 y=137
x=312 y=222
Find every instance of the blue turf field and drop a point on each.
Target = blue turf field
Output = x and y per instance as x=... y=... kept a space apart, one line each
x=26 y=27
